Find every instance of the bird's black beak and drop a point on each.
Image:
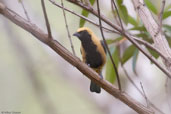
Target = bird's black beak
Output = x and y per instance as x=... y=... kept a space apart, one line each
x=76 y=34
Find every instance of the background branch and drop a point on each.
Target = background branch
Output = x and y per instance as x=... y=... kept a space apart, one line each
x=25 y=11
x=120 y=22
x=148 y=106
x=66 y=24
x=46 y=19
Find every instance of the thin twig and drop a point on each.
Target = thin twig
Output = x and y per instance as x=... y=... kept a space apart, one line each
x=113 y=12
x=148 y=106
x=46 y=19
x=66 y=24
x=123 y=30
x=25 y=11
x=114 y=65
x=83 y=17
x=161 y=15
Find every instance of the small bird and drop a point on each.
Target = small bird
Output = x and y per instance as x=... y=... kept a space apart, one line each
x=93 y=53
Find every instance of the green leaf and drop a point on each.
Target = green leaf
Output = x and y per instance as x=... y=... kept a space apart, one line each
x=128 y=53
x=145 y=36
x=167 y=27
x=82 y=21
x=142 y=35
x=123 y=13
x=132 y=21
x=134 y=61
x=110 y=41
x=110 y=72
x=153 y=53
x=169 y=40
x=151 y=6
x=119 y=2
x=139 y=28
x=166 y=14
x=85 y=13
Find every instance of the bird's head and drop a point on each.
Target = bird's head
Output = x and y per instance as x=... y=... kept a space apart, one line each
x=83 y=33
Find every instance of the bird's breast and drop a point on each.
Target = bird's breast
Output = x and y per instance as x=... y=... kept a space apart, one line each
x=92 y=56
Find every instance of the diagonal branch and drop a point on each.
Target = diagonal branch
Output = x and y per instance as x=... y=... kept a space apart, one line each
x=64 y=53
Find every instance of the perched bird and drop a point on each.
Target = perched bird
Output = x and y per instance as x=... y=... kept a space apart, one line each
x=93 y=53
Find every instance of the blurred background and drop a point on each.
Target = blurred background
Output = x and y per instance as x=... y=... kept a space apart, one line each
x=35 y=80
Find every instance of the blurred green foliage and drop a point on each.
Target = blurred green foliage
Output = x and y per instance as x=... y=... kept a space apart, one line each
x=85 y=13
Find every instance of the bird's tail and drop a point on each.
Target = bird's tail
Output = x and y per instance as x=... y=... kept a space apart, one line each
x=94 y=87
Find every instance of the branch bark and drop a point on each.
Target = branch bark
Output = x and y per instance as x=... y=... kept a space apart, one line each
x=64 y=53
x=153 y=28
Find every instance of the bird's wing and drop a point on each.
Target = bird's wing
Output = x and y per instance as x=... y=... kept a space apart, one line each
x=80 y=51
x=103 y=44
x=83 y=54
